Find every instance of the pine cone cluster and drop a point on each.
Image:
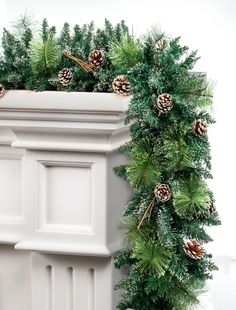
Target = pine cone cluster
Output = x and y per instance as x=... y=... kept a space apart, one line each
x=194 y=249
x=164 y=103
x=163 y=192
x=2 y=90
x=121 y=85
x=199 y=127
x=96 y=58
x=65 y=76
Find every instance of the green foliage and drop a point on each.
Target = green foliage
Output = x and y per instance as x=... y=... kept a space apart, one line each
x=165 y=150
x=191 y=199
x=142 y=170
x=195 y=90
x=125 y=54
x=14 y=63
x=177 y=155
x=166 y=234
x=65 y=38
x=44 y=55
x=151 y=257
x=123 y=259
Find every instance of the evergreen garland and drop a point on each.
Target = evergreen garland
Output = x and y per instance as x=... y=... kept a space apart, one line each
x=29 y=62
x=164 y=150
x=169 y=149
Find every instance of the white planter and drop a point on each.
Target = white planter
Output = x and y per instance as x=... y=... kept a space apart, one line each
x=59 y=195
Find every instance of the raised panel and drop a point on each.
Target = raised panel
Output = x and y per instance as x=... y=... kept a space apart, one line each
x=65 y=191
x=11 y=186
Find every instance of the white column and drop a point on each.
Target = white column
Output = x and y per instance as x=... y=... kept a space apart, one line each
x=60 y=201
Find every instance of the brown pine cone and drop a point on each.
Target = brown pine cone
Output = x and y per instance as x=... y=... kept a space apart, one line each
x=121 y=85
x=212 y=207
x=161 y=44
x=96 y=58
x=194 y=249
x=164 y=103
x=199 y=127
x=65 y=76
x=2 y=90
x=162 y=192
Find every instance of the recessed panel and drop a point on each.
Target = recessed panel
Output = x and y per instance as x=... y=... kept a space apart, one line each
x=10 y=188
x=65 y=197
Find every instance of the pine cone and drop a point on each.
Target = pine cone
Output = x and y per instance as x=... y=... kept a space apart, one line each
x=212 y=207
x=164 y=103
x=161 y=44
x=194 y=249
x=96 y=58
x=199 y=127
x=121 y=85
x=65 y=76
x=2 y=90
x=163 y=192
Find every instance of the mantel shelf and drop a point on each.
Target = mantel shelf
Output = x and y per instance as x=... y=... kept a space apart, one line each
x=24 y=100
x=71 y=121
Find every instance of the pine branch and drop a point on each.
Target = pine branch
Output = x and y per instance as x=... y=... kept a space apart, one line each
x=166 y=233
x=142 y=171
x=191 y=199
x=44 y=55
x=151 y=257
x=125 y=54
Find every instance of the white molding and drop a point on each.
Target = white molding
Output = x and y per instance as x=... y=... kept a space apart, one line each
x=66 y=146
x=64 y=121
x=69 y=249
x=6 y=136
x=61 y=102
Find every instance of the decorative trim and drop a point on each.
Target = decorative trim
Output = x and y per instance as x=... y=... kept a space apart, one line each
x=63 y=102
x=74 y=121
x=70 y=249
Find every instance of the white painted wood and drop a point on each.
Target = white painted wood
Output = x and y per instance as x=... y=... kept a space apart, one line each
x=68 y=283
x=64 y=200
x=11 y=209
x=91 y=122
x=59 y=102
x=59 y=195
x=15 y=279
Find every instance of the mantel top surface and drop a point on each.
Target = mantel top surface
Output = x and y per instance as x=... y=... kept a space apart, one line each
x=71 y=121
x=23 y=100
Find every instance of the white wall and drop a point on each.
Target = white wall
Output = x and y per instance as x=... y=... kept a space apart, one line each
x=206 y=25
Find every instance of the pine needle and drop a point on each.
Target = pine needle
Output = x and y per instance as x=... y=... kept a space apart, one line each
x=152 y=257
x=192 y=198
x=44 y=55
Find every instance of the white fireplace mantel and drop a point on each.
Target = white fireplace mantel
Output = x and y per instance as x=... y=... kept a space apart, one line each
x=60 y=202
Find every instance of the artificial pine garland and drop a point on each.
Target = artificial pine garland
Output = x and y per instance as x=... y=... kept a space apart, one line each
x=165 y=260
x=34 y=63
x=167 y=265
